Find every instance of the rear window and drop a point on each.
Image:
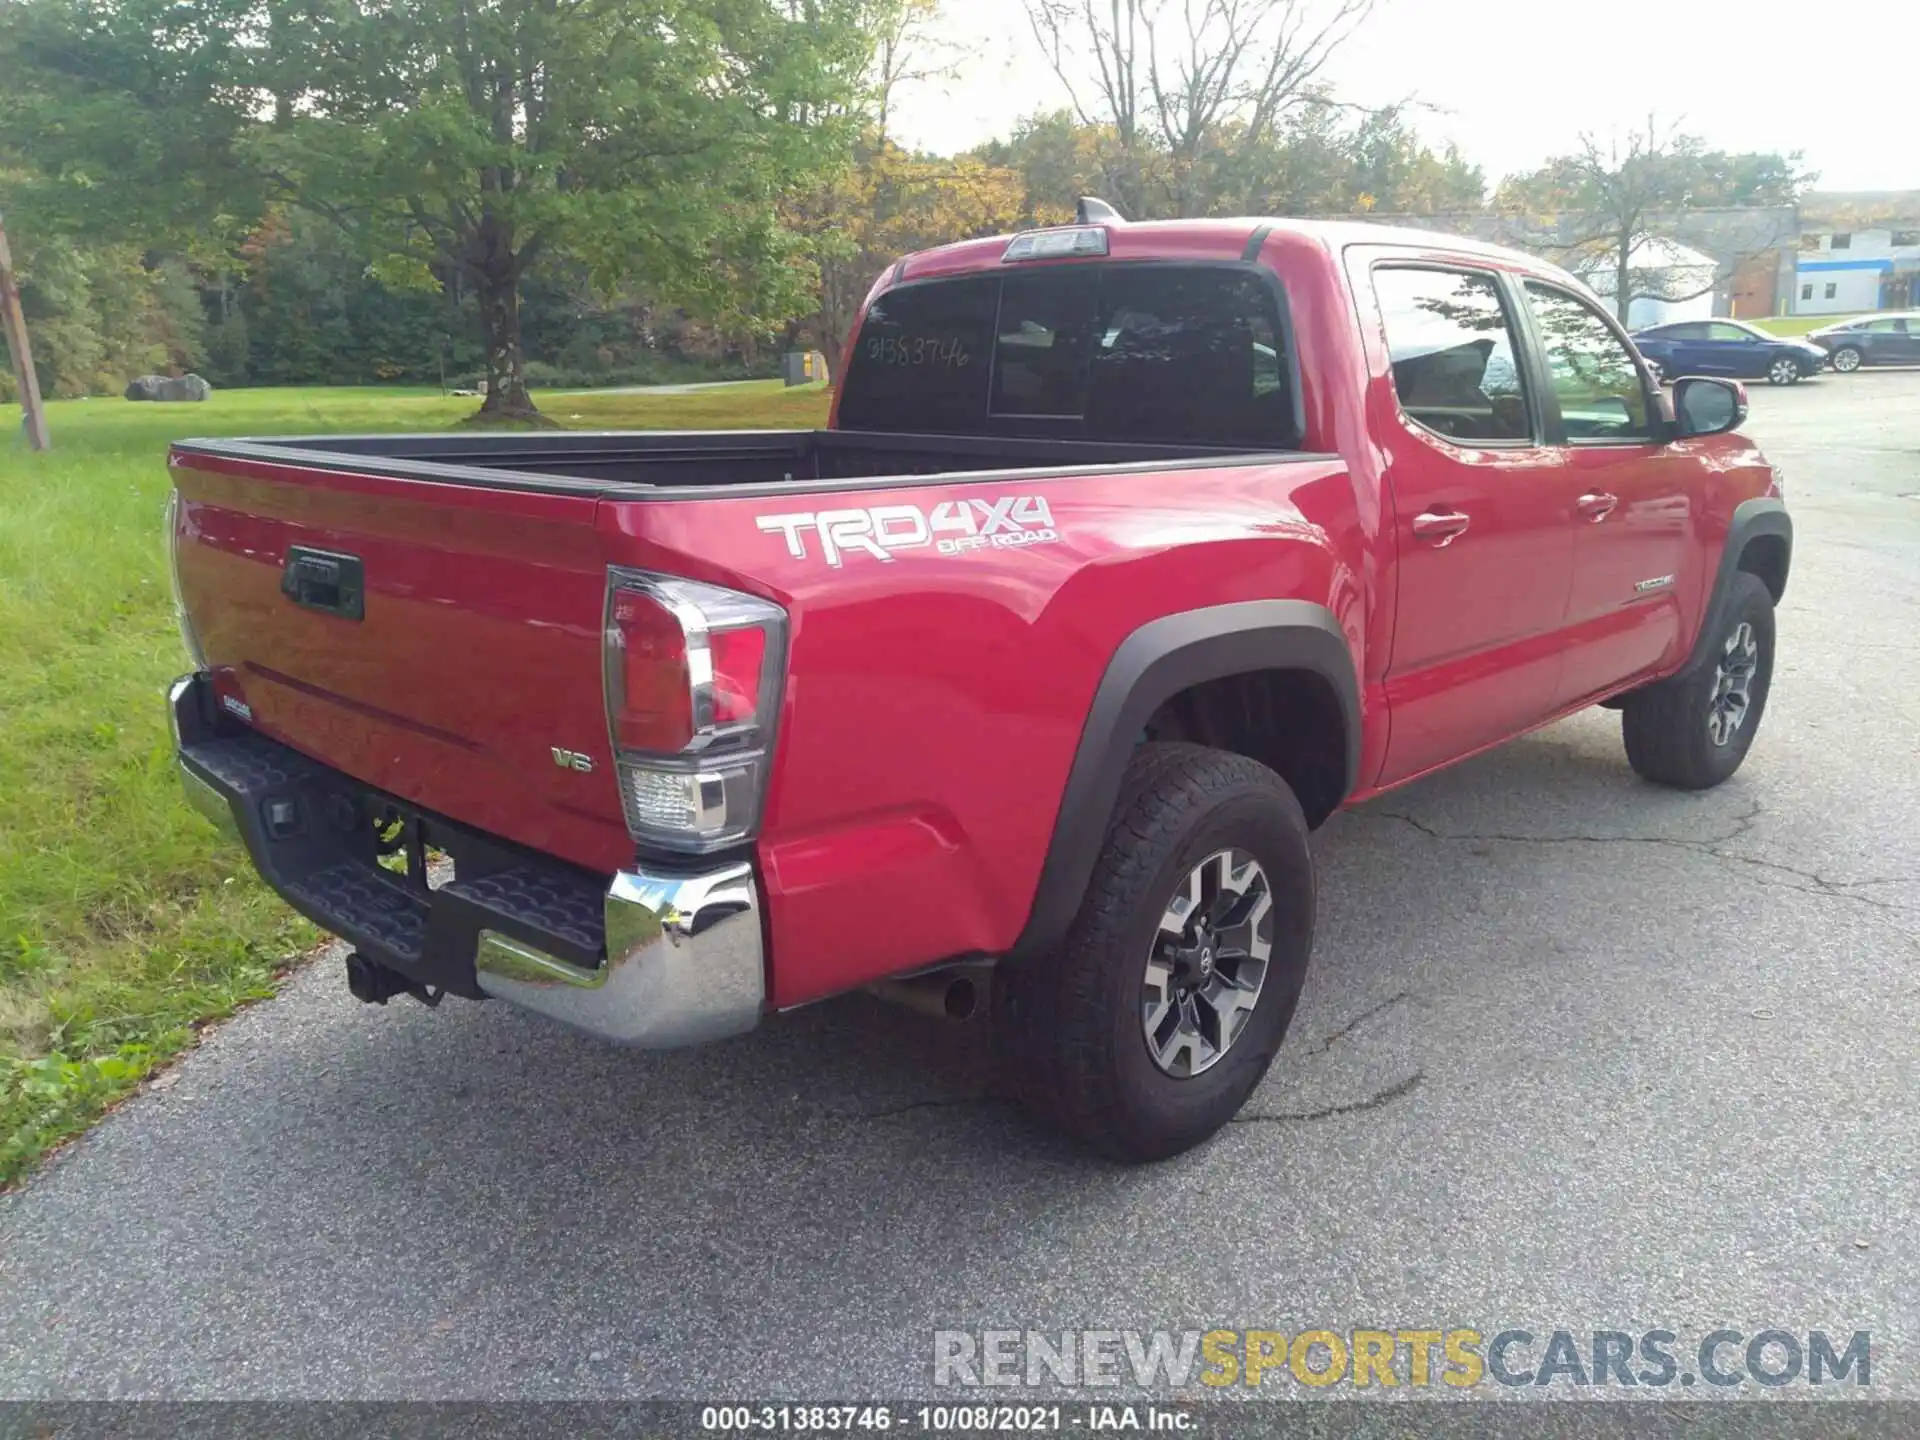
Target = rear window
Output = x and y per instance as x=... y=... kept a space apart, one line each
x=1161 y=354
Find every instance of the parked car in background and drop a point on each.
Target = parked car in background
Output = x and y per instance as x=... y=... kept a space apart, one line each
x=1728 y=347
x=1871 y=340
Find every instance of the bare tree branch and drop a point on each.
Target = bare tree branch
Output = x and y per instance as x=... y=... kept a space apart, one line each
x=907 y=51
x=1667 y=299
x=1219 y=75
x=1298 y=56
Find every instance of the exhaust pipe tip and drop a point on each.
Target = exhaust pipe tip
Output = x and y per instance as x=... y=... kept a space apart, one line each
x=951 y=994
x=962 y=999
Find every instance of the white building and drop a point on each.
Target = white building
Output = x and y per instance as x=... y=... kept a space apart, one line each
x=1664 y=267
x=1841 y=271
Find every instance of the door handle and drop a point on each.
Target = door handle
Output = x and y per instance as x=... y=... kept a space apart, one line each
x=1597 y=506
x=323 y=580
x=1440 y=528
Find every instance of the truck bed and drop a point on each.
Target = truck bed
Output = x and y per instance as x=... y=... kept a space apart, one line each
x=451 y=645
x=679 y=464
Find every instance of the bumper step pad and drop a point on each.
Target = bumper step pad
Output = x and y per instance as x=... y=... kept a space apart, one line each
x=310 y=831
x=688 y=961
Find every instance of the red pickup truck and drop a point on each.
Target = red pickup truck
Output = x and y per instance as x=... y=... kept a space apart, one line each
x=1131 y=554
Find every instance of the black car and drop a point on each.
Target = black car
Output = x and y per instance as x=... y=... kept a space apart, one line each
x=1872 y=340
x=1728 y=347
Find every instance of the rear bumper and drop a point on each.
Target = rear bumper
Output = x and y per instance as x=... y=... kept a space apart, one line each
x=651 y=958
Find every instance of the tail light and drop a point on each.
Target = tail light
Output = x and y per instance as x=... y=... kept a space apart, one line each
x=693 y=675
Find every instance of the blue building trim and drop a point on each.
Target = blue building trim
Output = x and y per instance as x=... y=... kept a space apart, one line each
x=1808 y=266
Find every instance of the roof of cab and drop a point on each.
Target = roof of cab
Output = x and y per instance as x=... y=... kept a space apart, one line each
x=1225 y=240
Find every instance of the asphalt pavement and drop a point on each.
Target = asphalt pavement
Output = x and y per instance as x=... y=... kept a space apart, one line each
x=1576 y=1052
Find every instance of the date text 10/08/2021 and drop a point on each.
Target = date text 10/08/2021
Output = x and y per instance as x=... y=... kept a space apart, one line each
x=947 y=1419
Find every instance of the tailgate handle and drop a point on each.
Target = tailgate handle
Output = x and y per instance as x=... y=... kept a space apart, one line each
x=326 y=581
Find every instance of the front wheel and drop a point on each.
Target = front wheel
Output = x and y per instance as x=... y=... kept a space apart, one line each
x=1784 y=371
x=1693 y=731
x=1159 y=1016
x=1846 y=359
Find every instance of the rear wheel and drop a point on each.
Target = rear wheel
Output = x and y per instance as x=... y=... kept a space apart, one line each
x=1177 y=981
x=1846 y=359
x=1784 y=371
x=1693 y=731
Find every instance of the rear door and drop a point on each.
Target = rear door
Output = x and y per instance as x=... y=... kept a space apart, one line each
x=1887 y=341
x=1633 y=494
x=440 y=642
x=1482 y=515
x=1691 y=351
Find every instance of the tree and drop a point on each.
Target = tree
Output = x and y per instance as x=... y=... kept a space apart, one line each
x=1603 y=206
x=1058 y=159
x=890 y=202
x=887 y=200
x=96 y=315
x=908 y=50
x=1324 y=158
x=125 y=121
x=1188 y=83
x=471 y=139
x=1395 y=171
x=1331 y=159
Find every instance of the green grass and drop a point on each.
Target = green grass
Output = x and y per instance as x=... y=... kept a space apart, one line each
x=126 y=923
x=1801 y=324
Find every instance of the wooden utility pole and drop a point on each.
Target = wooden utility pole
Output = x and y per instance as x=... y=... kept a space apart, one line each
x=15 y=326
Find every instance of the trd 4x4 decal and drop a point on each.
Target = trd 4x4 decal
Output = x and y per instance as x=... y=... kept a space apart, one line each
x=954 y=527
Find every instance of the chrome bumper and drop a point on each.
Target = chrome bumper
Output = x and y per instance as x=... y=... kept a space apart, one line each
x=208 y=801
x=200 y=795
x=684 y=961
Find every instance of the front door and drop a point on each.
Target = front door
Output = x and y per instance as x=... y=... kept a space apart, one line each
x=1729 y=350
x=1481 y=514
x=1632 y=498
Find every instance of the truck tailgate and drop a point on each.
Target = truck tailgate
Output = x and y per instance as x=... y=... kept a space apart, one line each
x=465 y=674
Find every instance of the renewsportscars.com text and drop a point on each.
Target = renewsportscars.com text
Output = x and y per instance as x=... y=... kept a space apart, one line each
x=1389 y=1359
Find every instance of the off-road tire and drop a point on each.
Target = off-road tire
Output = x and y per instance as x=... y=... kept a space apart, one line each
x=1071 y=1023
x=1666 y=726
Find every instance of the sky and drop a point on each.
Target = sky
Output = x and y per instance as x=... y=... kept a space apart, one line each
x=1515 y=81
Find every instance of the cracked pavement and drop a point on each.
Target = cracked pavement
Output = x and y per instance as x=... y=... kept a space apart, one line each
x=1575 y=1052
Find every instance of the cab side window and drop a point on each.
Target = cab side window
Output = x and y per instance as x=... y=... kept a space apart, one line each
x=1450 y=342
x=1603 y=398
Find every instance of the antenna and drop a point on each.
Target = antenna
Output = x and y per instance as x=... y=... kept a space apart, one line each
x=1092 y=211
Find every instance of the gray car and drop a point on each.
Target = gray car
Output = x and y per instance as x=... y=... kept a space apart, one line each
x=1871 y=340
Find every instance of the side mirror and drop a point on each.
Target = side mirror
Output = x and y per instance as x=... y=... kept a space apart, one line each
x=1703 y=405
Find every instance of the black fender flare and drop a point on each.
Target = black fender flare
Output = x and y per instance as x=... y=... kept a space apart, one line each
x=1764 y=515
x=1152 y=665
